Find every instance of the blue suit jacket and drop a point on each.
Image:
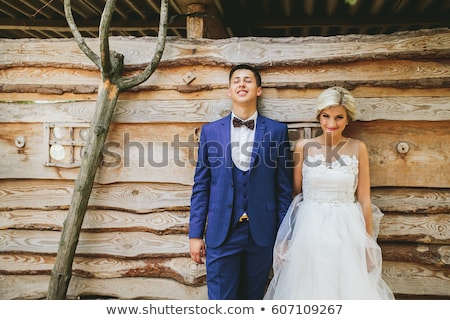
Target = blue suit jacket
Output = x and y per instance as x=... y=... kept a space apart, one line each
x=270 y=182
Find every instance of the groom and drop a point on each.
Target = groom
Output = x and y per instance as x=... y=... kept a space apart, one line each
x=242 y=190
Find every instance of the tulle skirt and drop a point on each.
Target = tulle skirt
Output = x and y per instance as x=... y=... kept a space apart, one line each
x=323 y=251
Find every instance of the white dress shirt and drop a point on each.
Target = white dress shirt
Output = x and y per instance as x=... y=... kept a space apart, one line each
x=242 y=139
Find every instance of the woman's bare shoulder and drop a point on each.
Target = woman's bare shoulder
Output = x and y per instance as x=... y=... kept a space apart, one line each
x=299 y=144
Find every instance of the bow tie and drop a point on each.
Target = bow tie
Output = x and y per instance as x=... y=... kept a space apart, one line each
x=249 y=123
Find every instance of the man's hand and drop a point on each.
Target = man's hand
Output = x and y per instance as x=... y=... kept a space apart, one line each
x=197 y=249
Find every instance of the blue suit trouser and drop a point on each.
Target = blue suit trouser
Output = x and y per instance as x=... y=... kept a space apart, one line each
x=238 y=269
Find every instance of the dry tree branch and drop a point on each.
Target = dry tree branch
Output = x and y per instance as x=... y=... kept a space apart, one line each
x=130 y=82
x=78 y=37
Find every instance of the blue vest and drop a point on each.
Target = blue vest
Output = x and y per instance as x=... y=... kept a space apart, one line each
x=240 y=203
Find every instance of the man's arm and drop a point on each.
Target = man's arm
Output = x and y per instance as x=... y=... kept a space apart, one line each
x=284 y=175
x=199 y=203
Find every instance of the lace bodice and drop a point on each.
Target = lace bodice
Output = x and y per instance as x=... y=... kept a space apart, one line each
x=331 y=180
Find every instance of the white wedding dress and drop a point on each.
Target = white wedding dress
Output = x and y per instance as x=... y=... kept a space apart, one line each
x=322 y=249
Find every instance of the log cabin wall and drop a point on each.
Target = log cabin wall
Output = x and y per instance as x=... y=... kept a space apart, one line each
x=134 y=240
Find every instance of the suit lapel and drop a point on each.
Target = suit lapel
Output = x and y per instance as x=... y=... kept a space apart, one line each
x=260 y=131
x=226 y=141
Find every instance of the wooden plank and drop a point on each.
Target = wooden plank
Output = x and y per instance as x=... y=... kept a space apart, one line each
x=119 y=244
x=403 y=278
x=412 y=200
x=143 y=153
x=393 y=73
x=425 y=229
x=161 y=223
x=416 y=279
x=182 y=270
x=427 y=254
x=35 y=287
x=56 y=194
x=261 y=51
x=428 y=152
x=221 y=93
x=206 y=110
x=162 y=153
x=195 y=21
x=429 y=229
x=48 y=195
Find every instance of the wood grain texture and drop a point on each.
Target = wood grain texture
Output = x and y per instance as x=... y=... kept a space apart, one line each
x=428 y=254
x=416 y=279
x=162 y=222
x=391 y=73
x=134 y=242
x=166 y=153
x=412 y=200
x=262 y=51
x=35 y=287
x=413 y=108
x=180 y=269
x=129 y=197
x=434 y=229
x=121 y=244
x=428 y=152
x=147 y=197
x=161 y=153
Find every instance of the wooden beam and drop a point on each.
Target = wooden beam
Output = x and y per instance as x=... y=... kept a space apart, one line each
x=195 y=21
x=35 y=287
x=341 y=22
x=213 y=27
x=85 y=25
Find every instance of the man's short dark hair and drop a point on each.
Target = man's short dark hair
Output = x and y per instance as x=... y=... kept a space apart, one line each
x=248 y=67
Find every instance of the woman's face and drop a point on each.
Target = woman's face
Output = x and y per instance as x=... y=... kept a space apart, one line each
x=333 y=120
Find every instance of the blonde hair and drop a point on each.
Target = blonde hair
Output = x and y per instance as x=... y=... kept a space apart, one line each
x=336 y=96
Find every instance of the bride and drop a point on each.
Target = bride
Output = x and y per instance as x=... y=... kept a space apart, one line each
x=326 y=246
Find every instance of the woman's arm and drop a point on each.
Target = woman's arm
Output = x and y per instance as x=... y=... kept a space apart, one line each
x=363 y=189
x=298 y=164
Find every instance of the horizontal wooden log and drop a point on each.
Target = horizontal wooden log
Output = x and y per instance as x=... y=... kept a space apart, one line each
x=386 y=73
x=162 y=153
x=131 y=197
x=161 y=223
x=428 y=144
x=166 y=153
x=412 y=200
x=183 y=270
x=424 y=229
x=268 y=52
x=153 y=197
x=415 y=279
x=403 y=278
x=428 y=254
x=202 y=111
x=416 y=228
x=35 y=287
x=116 y=244
x=219 y=94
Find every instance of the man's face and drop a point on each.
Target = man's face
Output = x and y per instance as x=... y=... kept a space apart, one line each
x=243 y=86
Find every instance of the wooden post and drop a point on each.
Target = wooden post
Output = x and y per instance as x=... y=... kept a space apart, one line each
x=111 y=65
x=62 y=270
x=195 y=22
